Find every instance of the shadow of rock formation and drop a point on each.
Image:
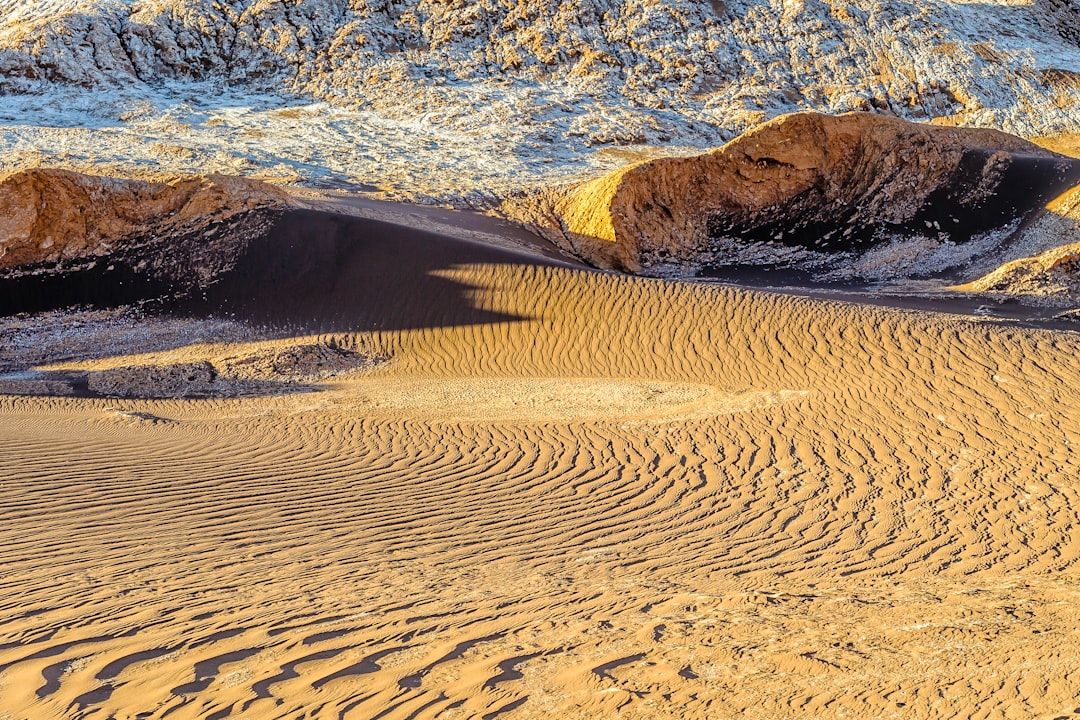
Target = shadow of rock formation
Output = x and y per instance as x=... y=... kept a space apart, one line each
x=320 y=272
x=300 y=271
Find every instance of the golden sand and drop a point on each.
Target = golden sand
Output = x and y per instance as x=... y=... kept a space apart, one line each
x=618 y=498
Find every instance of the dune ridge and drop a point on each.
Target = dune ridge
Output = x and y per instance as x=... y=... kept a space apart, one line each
x=891 y=533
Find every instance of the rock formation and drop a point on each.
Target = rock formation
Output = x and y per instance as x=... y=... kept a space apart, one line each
x=713 y=58
x=175 y=236
x=810 y=182
x=56 y=218
x=55 y=215
x=1048 y=276
x=535 y=83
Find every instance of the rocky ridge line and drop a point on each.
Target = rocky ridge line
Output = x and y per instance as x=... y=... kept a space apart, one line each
x=668 y=67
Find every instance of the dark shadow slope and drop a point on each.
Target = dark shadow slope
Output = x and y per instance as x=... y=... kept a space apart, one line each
x=309 y=272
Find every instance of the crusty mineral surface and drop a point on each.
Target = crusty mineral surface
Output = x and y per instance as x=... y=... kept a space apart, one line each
x=809 y=181
x=164 y=381
x=1051 y=273
x=458 y=101
x=713 y=59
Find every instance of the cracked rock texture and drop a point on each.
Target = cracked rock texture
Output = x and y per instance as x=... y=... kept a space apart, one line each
x=670 y=66
x=829 y=183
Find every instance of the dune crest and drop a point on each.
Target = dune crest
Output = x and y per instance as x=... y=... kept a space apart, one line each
x=827 y=183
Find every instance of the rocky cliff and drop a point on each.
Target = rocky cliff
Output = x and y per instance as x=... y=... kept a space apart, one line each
x=175 y=236
x=710 y=60
x=531 y=83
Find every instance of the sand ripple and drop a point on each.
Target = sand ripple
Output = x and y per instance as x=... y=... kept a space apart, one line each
x=830 y=510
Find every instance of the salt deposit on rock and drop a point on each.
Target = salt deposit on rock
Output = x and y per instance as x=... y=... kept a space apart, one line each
x=1050 y=273
x=451 y=101
x=475 y=101
x=278 y=369
x=160 y=381
x=1053 y=275
x=304 y=362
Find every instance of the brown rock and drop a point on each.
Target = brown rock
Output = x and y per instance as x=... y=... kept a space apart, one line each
x=810 y=180
x=155 y=381
x=49 y=215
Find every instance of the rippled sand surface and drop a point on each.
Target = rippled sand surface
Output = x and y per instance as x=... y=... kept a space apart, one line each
x=600 y=497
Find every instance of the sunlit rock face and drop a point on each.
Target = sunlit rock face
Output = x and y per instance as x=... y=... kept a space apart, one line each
x=56 y=215
x=811 y=184
x=719 y=60
x=442 y=88
x=473 y=102
x=1048 y=272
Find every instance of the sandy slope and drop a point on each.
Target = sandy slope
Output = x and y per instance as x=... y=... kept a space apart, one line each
x=573 y=495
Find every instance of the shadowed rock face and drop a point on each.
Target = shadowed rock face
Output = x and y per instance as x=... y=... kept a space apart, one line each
x=983 y=191
x=812 y=181
x=1049 y=277
x=66 y=237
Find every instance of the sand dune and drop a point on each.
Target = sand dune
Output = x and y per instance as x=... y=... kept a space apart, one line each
x=563 y=493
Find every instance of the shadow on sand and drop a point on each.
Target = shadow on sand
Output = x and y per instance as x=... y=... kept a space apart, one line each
x=311 y=272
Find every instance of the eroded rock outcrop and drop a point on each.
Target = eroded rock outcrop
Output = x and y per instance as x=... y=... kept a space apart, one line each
x=730 y=63
x=1063 y=16
x=57 y=216
x=304 y=362
x=813 y=183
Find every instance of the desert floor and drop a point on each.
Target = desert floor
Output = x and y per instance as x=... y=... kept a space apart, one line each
x=546 y=492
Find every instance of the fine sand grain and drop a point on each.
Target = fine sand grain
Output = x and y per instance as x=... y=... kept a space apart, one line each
x=557 y=493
